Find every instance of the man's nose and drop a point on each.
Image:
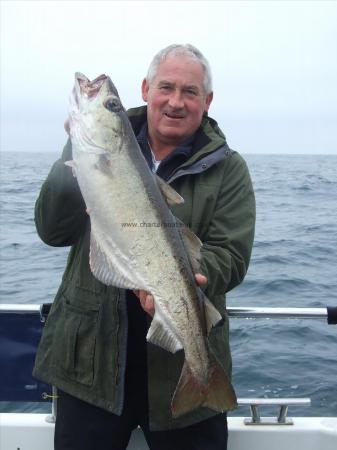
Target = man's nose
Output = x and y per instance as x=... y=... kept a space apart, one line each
x=176 y=100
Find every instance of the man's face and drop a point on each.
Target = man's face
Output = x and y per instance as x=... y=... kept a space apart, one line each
x=176 y=100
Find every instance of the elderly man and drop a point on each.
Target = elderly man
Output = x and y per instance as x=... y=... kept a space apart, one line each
x=94 y=346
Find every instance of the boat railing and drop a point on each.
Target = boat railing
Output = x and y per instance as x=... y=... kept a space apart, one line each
x=325 y=313
x=328 y=313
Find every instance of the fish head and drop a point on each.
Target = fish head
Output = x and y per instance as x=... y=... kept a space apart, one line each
x=96 y=115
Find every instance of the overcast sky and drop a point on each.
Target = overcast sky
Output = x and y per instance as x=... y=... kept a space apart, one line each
x=274 y=65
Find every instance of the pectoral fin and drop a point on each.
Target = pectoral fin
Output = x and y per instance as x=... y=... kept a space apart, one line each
x=105 y=270
x=71 y=163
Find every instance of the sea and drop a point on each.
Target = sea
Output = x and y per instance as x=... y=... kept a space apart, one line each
x=294 y=264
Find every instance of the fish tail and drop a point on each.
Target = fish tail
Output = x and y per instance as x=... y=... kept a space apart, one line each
x=191 y=393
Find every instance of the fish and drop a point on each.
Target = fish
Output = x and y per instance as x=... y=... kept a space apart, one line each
x=137 y=243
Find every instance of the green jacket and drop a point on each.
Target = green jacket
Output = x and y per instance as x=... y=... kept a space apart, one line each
x=83 y=347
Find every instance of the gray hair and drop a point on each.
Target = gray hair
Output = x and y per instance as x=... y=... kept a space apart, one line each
x=187 y=50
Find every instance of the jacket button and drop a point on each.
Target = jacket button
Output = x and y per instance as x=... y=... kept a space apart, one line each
x=204 y=166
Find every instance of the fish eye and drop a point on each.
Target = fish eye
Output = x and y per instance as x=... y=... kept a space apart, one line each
x=112 y=104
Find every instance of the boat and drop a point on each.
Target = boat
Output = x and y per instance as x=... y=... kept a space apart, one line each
x=20 y=330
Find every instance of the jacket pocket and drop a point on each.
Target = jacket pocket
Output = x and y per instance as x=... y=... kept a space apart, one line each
x=76 y=334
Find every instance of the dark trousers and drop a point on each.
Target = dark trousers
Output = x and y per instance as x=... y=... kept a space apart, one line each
x=80 y=426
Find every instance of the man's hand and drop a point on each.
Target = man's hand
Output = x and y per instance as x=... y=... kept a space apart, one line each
x=200 y=279
x=147 y=301
x=67 y=126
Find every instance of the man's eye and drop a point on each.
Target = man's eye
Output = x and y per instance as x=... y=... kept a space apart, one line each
x=191 y=92
x=165 y=88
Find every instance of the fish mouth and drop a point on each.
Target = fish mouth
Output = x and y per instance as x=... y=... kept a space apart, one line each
x=84 y=89
x=90 y=88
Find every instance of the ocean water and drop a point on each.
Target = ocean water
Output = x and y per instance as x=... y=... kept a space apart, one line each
x=294 y=264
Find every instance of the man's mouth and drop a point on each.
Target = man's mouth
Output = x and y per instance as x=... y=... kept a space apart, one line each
x=172 y=115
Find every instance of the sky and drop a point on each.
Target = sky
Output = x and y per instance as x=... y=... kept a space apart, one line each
x=274 y=65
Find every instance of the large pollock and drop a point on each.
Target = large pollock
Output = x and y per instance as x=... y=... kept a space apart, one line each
x=123 y=196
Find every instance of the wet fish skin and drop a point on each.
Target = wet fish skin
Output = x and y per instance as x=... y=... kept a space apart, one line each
x=119 y=188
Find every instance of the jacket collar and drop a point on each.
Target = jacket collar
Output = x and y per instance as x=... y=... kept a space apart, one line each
x=209 y=144
x=175 y=159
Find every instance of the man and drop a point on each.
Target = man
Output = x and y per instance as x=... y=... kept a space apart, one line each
x=94 y=346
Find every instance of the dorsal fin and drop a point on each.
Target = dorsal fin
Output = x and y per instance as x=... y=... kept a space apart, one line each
x=172 y=197
x=193 y=245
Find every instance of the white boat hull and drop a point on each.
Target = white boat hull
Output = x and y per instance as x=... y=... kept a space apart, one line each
x=33 y=432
